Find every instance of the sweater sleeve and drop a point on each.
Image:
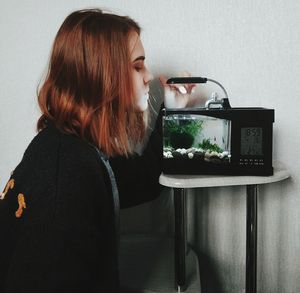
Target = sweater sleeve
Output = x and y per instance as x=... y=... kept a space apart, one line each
x=66 y=240
x=137 y=176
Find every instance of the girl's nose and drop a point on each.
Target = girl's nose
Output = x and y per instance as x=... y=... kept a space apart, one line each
x=148 y=76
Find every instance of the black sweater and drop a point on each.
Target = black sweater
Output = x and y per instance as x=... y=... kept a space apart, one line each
x=65 y=240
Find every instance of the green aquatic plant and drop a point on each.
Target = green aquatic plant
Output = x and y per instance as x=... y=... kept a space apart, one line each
x=182 y=133
x=207 y=145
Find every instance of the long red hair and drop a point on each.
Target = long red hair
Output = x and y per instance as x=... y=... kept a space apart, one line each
x=88 y=89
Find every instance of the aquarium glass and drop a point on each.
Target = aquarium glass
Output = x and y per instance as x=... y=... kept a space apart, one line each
x=196 y=137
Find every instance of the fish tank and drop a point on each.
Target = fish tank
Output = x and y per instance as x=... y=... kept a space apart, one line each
x=198 y=138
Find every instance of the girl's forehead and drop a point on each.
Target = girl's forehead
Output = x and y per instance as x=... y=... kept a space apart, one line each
x=136 y=48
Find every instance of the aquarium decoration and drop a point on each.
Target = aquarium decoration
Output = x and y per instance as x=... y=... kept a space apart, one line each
x=182 y=133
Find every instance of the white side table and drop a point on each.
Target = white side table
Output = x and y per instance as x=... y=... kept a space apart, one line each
x=180 y=183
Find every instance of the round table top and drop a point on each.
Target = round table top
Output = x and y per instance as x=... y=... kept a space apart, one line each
x=194 y=181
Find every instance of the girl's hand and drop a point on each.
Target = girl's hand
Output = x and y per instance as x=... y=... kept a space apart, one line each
x=176 y=95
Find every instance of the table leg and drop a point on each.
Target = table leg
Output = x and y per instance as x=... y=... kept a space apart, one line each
x=251 y=239
x=180 y=238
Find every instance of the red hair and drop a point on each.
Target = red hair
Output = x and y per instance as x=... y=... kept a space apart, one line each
x=88 y=89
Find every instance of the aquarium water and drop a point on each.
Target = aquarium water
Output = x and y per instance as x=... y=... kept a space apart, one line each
x=196 y=137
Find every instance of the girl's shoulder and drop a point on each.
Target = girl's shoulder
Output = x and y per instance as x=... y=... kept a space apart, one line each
x=58 y=172
x=51 y=146
x=53 y=157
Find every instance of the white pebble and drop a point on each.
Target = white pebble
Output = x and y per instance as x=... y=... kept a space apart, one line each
x=190 y=155
x=168 y=154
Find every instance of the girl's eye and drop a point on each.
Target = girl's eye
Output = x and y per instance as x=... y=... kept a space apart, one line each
x=138 y=67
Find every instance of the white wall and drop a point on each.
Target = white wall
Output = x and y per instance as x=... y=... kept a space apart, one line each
x=251 y=47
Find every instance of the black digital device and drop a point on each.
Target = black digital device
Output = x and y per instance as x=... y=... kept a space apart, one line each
x=217 y=140
x=235 y=141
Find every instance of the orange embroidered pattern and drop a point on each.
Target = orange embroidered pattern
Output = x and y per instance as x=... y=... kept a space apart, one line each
x=22 y=205
x=10 y=185
x=21 y=198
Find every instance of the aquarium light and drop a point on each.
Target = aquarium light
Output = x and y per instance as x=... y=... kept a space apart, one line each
x=184 y=80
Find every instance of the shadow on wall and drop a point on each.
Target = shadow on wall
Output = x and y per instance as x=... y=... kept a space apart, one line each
x=209 y=278
x=155 y=218
x=210 y=281
x=220 y=238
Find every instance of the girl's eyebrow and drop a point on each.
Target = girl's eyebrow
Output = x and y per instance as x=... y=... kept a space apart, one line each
x=139 y=58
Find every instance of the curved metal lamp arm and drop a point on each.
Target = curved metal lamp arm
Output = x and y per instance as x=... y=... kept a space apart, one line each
x=216 y=82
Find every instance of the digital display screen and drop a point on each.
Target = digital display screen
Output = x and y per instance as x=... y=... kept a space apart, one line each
x=251 y=141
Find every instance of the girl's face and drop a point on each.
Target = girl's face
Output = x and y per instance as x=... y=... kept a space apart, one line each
x=141 y=76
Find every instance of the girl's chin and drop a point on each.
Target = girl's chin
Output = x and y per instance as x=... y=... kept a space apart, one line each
x=142 y=104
